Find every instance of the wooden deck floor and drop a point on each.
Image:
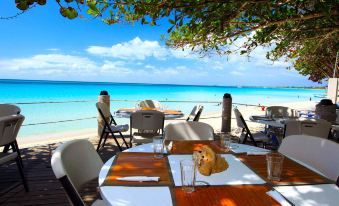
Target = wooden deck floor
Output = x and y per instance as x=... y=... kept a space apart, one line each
x=45 y=189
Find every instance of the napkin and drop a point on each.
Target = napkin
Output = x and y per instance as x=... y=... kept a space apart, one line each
x=256 y=153
x=169 y=146
x=139 y=178
x=278 y=197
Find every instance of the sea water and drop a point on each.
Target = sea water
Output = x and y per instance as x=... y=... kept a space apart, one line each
x=63 y=94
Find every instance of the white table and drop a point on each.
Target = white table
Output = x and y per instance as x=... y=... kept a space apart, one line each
x=161 y=195
x=107 y=192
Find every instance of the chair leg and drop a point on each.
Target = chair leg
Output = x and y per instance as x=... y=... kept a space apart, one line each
x=116 y=141
x=101 y=136
x=123 y=139
x=252 y=138
x=21 y=171
x=105 y=138
x=18 y=151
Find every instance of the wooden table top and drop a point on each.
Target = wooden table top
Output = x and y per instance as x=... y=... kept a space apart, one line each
x=138 y=164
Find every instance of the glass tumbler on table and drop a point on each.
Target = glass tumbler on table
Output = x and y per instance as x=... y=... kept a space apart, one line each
x=158 y=147
x=188 y=172
x=225 y=140
x=274 y=166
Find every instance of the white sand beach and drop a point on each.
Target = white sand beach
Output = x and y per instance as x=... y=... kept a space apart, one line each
x=212 y=118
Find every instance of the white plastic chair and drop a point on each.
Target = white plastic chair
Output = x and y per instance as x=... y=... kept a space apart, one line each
x=195 y=113
x=319 y=153
x=280 y=112
x=148 y=124
x=9 y=129
x=75 y=163
x=150 y=104
x=188 y=131
x=9 y=109
x=315 y=127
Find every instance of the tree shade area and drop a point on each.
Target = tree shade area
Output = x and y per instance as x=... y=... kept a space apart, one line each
x=305 y=32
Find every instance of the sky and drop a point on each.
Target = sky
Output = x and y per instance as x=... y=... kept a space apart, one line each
x=42 y=45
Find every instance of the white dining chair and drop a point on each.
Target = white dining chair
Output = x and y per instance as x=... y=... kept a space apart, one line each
x=195 y=113
x=280 y=112
x=150 y=104
x=314 y=127
x=9 y=129
x=148 y=124
x=74 y=164
x=188 y=131
x=318 y=153
x=9 y=109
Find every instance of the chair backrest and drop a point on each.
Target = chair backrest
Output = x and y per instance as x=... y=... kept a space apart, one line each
x=280 y=111
x=75 y=163
x=195 y=113
x=319 y=153
x=188 y=131
x=239 y=119
x=147 y=120
x=150 y=104
x=9 y=109
x=9 y=128
x=315 y=127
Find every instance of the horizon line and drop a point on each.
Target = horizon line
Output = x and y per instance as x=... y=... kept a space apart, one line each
x=150 y=84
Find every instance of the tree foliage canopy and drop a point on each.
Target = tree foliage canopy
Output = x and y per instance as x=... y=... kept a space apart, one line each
x=304 y=31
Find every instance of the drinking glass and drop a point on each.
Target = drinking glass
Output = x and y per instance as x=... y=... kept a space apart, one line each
x=225 y=140
x=158 y=147
x=274 y=166
x=188 y=172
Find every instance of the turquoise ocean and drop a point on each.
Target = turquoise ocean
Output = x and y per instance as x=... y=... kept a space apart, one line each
x=27 y=94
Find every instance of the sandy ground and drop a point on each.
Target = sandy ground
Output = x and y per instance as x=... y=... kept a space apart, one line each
x=212 y=118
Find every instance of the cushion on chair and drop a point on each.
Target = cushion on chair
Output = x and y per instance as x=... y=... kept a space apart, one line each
x=119 y=128
x=5 y=157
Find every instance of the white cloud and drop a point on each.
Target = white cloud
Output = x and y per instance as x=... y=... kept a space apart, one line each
x=117 y=67
x=49 y=61
x=136 y=49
